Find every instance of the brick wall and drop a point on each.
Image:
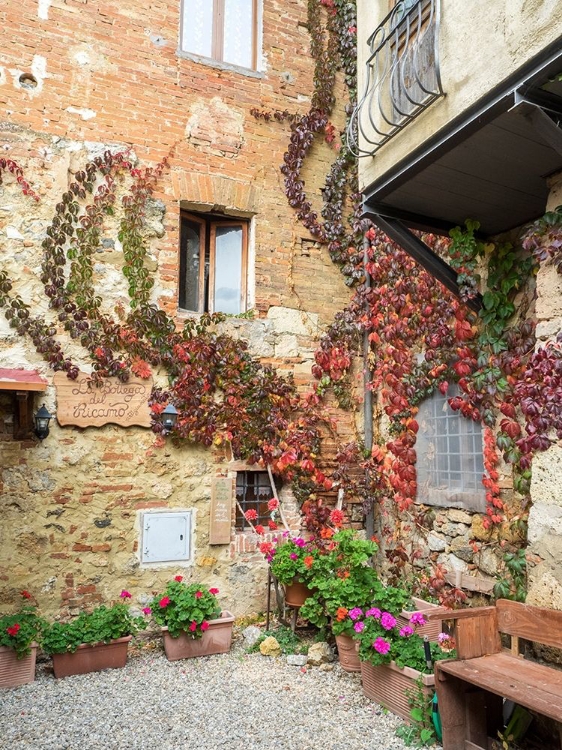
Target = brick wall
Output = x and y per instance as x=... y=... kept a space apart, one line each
x=77 y=77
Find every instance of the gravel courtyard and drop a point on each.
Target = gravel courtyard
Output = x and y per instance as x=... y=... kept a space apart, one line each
x=236 y=700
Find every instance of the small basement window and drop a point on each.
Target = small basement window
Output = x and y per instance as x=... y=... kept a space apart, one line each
x=166 y=537
x=253 y=491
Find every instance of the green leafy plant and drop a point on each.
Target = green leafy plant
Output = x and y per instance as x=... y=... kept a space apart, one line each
x=19 y=630
x=421 y=732
x=102 y=625
x=341 y=578
x=185 y=608
x=513 y=584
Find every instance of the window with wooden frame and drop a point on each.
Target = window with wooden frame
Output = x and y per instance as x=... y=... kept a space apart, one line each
x=213 y=264
x=223 y=30
x=450 y=461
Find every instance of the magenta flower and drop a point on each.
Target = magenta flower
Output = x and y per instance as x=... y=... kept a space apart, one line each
x=204 y=625
x=164 y=601
x=214 y=592
x=373 y=612
x=382 y=646
x=193 y=626
x=388 y=621
x=417 y=619
x=299 y=542
x=355 y=613
x=146 y=611
x=443 y=638
x=358 y=627
x=125 y=595
x=294 y=556
x=406 y=631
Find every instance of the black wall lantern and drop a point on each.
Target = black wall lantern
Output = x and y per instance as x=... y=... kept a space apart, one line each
x=42 y=418
x=169 y=418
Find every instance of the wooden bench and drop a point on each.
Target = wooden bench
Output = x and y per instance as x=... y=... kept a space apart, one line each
x=470 y=690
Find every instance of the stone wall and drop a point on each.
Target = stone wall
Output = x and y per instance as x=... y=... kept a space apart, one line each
x=78 y=78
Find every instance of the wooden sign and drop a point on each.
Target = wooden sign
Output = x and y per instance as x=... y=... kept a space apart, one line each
x=221 y=510
x=82 y=403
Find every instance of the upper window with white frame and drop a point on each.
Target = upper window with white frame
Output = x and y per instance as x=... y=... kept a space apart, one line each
x=221 y=30
x=450 y=461
x=213 y=264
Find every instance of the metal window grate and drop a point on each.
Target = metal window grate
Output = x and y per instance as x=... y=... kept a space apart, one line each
x=253 y=490
x=450 y=463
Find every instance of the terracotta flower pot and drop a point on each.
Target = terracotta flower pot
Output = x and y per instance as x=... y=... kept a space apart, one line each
x=388 y=685
x=215 y=640
x=347 y=653
x=92 y=658
x=14 y=671
x=432 y=628
x=296 y=593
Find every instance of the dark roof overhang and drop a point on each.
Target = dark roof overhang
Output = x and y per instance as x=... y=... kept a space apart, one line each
x=490 y=164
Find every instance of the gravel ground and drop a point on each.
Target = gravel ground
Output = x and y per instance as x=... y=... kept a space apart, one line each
x=234 y=700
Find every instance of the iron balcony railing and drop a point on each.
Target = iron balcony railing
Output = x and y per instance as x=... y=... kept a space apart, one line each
x=402 y=75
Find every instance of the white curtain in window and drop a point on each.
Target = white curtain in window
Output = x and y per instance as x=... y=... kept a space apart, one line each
x=238 y=32
x=197 y=27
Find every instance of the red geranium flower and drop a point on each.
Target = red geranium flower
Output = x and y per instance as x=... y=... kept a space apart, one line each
x=204 y=625
x=164 y=601
x=259 y=529
x=13 y=629
x=198 y=594
x=214 y=591
x=272 y=525
x=193 y=626
x=179 y=579
x=273 y=504
x=250 y=515
x=26 y=594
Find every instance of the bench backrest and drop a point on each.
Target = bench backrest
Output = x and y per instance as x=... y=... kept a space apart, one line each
x=532 y=623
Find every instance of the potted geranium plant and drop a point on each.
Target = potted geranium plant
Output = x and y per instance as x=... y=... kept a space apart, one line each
x=341 y=579
x=19 y=636
x=192 y=621
x=94 y=640
x=394 y=657
x=291 y=560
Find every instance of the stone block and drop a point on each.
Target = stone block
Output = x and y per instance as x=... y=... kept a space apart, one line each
x=478 y=531
x=436 y=543
x=547 y=470
x=320 y=653
x=251 y=635
x=459 y=516
x=297 y=660
x=288 y=320
x=270 y=647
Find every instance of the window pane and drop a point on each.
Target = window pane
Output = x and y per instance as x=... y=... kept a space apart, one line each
x=238 y=32
x=189 y=265
x=253 y=491
x=197 y=27
x=228 y=270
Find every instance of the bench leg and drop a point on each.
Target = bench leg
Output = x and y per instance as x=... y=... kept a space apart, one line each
x=467 y=713
x=452 y=710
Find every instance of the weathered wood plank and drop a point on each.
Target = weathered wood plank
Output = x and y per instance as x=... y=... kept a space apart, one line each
x=533 y=623
x=477 y=636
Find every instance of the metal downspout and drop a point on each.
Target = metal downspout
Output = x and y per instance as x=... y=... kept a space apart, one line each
x=367 y=397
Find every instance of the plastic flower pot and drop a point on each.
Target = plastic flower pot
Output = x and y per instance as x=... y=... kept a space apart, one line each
x=389 y=686
x=215 y=640
x=296 y=593
x=14 y=671
x=92 y=658
x=431 y=629
x=347 y=653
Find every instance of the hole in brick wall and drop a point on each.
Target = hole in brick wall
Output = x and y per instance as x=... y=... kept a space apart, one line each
x=27 y=81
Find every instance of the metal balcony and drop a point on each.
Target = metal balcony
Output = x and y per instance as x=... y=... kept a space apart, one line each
x=402 y=75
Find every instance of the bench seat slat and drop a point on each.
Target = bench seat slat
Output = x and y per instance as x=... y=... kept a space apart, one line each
x=531 y=685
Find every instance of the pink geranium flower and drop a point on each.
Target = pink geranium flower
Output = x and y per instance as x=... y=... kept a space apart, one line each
x=193 y=627
x=406 y=631
x=146 y=611
x=204 y=625
x=418 y=619
x=125 y=595
x=358 y=627
x=388 y=621
x=382 y=646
